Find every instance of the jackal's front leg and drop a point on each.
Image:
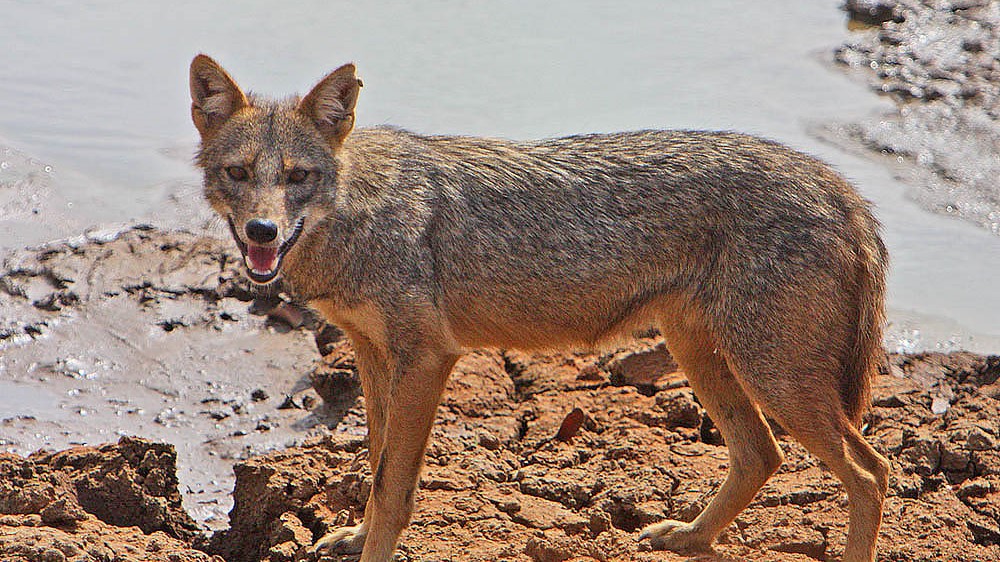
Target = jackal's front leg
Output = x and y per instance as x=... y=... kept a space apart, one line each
x=409 y=416
x=375 y=372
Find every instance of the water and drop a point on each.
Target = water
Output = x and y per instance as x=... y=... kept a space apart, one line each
x=97 y=91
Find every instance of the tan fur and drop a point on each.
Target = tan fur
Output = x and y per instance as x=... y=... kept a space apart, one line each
x=762 y=267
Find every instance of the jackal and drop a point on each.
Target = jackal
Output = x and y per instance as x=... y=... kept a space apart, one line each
x=761 y=266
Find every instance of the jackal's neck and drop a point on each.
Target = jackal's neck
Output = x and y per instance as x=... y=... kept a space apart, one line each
x=312 y=267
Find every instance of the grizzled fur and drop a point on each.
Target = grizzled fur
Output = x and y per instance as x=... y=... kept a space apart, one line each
x=762 y=267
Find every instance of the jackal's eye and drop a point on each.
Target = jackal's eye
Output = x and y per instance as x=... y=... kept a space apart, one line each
x=238 y=173
x=298 y=175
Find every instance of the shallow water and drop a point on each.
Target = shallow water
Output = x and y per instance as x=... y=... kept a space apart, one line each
x=94 y=106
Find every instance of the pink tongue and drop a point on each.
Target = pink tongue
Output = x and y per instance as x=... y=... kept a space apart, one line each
x=262 y=258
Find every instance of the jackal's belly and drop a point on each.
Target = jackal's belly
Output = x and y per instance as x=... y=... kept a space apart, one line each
x=542 y=318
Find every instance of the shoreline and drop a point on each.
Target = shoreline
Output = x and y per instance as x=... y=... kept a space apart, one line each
x=939 y=66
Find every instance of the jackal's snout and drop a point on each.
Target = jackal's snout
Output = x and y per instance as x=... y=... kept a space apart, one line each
x=261 y=231
x=262 y=256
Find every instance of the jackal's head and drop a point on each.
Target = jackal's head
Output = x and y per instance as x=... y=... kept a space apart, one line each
x=270 y=166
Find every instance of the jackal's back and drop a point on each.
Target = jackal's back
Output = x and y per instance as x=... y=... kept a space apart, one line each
x=554 y=233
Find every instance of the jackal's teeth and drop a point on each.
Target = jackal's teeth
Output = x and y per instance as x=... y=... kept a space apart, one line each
x=255 y=270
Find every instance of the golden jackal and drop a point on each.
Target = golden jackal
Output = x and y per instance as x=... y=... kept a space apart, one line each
x=762 y=267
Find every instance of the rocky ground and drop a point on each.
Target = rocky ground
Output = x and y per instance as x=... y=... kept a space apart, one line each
x=567 y=456
x=534 y=457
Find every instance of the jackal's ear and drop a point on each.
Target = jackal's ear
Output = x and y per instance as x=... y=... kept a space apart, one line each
x=330 y=105
x=215 y=97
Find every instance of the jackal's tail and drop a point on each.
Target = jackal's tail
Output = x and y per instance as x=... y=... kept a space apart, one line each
x=867 y=354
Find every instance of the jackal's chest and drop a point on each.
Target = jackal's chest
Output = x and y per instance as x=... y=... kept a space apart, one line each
x=361 y=319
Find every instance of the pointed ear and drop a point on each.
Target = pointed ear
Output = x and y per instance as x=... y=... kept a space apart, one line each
x=330 y=105
x=215 y=97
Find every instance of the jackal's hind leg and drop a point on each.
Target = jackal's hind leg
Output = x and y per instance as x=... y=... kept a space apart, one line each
x=825 y=431
x=753 y=452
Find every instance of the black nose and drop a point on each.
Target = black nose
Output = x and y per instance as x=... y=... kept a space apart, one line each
x=261 y=231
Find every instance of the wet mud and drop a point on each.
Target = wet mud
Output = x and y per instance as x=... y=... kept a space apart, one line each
x=940 y=63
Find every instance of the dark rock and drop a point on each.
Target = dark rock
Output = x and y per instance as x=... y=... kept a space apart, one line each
x=871 y=12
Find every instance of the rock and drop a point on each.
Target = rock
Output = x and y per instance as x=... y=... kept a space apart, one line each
x=538 y=373
x=488 y=441
x=335 y=386
x=115 y=502
x=63 y=511
x=680 y=407
x=811 y=544
x=480 y=386
x=130 y=483
x=647 y=369
x=52 y=555
x=571 y=425
x=599 y=521
x=923 y=456
x=542 y=550
x=975 y=488
x=275 y=494
x=327 y=338
x=553 y=546
x=289 y=529
x=871 y=12
x=537 y=513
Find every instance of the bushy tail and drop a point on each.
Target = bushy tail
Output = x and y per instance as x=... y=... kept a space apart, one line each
x=867 y=354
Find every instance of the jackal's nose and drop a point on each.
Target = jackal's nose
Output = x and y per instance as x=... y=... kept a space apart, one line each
x=261 y=231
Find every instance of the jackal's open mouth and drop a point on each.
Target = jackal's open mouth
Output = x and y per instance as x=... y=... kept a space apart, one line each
x=264 y=262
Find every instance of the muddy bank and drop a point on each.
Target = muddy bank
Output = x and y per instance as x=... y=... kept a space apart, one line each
x=939 y=61
x=500 y=485
x=152 y=333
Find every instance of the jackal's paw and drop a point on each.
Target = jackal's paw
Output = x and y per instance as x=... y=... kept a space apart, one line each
x=677 y=536
x=345 y=540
